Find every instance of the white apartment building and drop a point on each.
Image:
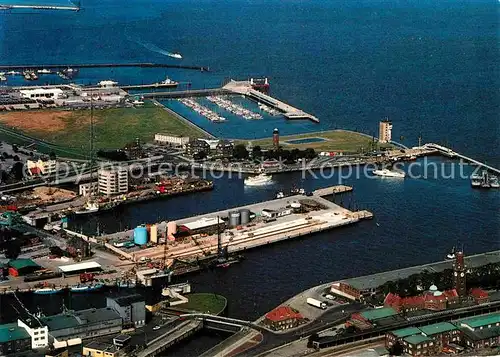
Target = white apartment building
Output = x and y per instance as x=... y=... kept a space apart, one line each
x=173 y=140
x=113 y=180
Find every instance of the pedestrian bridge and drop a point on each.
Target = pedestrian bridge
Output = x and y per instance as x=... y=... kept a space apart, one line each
x=226 y=324
x=450 y=153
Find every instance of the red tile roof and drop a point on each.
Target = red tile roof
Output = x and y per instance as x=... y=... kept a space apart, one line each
x=283 y=313
x=450 y=293
x=35 y=170
x=478 y=293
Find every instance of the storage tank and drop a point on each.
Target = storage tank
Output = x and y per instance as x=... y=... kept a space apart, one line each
x=171 y=228
x=140 y=235
x=153 y=233
x=244 y=216
x=234 y=218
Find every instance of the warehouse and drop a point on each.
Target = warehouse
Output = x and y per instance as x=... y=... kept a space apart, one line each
x=20 y=267
x=84 y=323
x=131 y=308
x=204 y=225
x=481 y=331
x=85 y=267
x=13 y=338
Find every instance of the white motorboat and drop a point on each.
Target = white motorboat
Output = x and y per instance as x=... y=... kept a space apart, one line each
x=259 y=180
x=389 y=173
x=175 y=55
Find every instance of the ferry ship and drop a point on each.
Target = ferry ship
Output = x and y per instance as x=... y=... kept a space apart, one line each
x=86 y=288
x=259 y=180
x=389 y=173
x=47 y=291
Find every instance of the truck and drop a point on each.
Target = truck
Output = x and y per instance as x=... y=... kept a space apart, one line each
x=316 y=303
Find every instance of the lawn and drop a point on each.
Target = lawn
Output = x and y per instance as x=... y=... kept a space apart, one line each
x=113 y=128
x=205 y=303
x=333 y=140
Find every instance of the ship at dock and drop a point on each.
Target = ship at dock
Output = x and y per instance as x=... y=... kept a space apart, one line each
x=86 y=288
x=389 y=173
x=259 y=180
x=484 y=180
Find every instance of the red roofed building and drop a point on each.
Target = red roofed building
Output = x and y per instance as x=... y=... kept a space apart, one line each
x=480 y=296
x=399 y=304
x=282 y=318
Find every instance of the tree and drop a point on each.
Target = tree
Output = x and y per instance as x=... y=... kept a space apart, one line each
x=240 y=152
x=200 y=155
x=13 y=250
x=16 y=158
x=17 y=171
x=256 y=152
x=309 y=153
x=15 y=148
x=52 y=155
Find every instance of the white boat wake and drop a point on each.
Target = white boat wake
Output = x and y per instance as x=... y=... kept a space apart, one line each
x=152 y=47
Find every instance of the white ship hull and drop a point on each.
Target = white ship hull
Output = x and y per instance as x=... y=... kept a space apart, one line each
x=389 y=173
x=260 y=180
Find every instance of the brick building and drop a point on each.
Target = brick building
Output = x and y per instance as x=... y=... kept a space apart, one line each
x=479 y=295
x=345 y=290
x=442 y=333
x=419 y=345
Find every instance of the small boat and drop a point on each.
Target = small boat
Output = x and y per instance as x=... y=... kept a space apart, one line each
x=280 y=195
x=494 y=181
x=451 y=255
x=389 y=173
x=175 y=55
x=86 y=288
x=44 y=71
x=259 y=180
x=47 y=291
x=475 y=180
x=90 y=207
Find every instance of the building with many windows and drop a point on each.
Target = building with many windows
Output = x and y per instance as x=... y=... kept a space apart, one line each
x=13 y=339
x=113 y=180
x=481 y=331
x=173 y=140
x=131 y=308
x=385 y=131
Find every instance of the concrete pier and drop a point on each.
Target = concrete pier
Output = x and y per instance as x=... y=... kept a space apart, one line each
x=289 y=112
x=325 y=215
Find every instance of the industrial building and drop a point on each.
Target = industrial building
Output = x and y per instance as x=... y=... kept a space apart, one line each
x=88 y=189
x=385 y=131
x=205 y=225
x=85 y=267
x=13 y=338
x=20 y=267
x=113 y=181
x=481 y=331
x=345 y=290
x=42 y=93
x=41 y=167
x=100 y=349
x=173 y=140
x=83 y=324
x=131 y=308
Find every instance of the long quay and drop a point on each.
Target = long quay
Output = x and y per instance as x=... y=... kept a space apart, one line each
x=39 y=7
x=99 y=65
x=185 y=93
x=312 y=214
x=245 y=88
x=450 y=153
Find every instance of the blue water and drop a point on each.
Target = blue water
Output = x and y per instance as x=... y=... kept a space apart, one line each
x=305 y=141
x=430 y=66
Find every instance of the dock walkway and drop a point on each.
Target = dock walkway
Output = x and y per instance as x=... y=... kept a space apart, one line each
x=245 y=88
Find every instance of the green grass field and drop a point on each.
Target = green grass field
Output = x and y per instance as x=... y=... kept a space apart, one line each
x=205 y=302
x=113 y=128
x=334 y=140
